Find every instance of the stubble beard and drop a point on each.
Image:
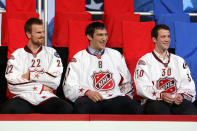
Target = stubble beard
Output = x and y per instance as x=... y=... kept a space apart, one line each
x=38 y=42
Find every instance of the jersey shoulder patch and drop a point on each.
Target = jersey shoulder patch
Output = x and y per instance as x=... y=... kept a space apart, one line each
x=185 y=66
x=56 y=55
x=12 y=57
x=73 y=60
x=141 y=62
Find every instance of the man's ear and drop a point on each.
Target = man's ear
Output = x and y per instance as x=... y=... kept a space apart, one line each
x=28 y=34
x=89 y=37
x=154 y=39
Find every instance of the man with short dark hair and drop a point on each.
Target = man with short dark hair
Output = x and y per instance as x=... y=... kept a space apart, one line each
x=98 y=80
x=33 y=73
x=163 y=80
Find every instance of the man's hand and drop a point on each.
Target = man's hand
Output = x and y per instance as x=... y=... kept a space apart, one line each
x=46 y=88
x=26 y=76
x=167 y=98
x=178 y=99
x=94 y=96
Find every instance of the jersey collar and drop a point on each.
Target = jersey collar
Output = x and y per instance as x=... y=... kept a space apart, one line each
x=92 y=51
x=26 y=48
x=95 y=53
x=156 y=55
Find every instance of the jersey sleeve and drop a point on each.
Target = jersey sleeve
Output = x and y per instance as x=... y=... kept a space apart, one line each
x=50 y=77
x=13 y=74
x=142 y=78
x=72 y=86
x=126 y=80
x=187 y=86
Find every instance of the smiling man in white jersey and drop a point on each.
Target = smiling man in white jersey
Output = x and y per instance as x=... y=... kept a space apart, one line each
x=163 y=80
x=98 y=80
x=33 y=73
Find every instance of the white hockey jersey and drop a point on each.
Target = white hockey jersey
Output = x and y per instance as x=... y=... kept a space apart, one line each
x=106 y=73
x=152 y=77
x=45 y=68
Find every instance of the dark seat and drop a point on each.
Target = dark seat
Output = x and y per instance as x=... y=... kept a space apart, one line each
x=3 y=82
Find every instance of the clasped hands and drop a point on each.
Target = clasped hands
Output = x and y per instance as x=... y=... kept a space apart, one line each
x=178 y=99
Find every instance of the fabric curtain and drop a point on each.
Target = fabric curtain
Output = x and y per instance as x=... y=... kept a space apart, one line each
x=136 y=42
x=69 y=6
x=167 y=6
x=20 y=5
x=113 y=23
x=118 y=6
x=61 y=24
x=5 y=20
x=77 y=38
x=186 y=45
x=169 y=20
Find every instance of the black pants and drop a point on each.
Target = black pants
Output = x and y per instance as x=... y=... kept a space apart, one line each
x=118 y=105
x=164 y=108
x=195 y=103
x=51 y=106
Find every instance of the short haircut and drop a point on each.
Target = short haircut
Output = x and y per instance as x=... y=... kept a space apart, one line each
x=154 y=32
x=90 y=29
x=30 y=22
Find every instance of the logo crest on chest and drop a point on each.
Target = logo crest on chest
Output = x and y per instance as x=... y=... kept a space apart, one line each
x=103 y=81
x=167 y=84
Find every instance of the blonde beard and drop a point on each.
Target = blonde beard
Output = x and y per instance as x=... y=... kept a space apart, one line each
x=38 y=42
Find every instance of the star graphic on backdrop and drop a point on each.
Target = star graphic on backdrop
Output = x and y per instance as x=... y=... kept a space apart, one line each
x=94 y=6
x=187 y=4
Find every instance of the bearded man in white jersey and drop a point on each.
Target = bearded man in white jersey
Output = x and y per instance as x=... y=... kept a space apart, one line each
x=98 y=80
x=33 y=73
x=163 y=80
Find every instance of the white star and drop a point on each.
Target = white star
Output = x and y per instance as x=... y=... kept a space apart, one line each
x=94 y=6
x=187 y=4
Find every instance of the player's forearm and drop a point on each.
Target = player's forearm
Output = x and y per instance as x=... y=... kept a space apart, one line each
x=53 y=84
x=29 y=87
x=48 y=79
x=14 y=78
x=148 y=92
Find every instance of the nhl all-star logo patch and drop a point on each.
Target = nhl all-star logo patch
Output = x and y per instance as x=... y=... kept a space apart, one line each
x=167 y=84
x=103 y=81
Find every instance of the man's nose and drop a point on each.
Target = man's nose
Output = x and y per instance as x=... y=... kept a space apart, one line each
x=105 y=37
x=43 y=35
x=167 y=39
